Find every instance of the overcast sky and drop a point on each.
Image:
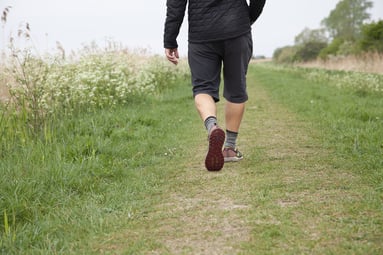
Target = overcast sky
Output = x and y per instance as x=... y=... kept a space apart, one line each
x=139 y=24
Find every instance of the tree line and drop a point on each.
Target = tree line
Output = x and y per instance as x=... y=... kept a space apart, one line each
x=346 y=31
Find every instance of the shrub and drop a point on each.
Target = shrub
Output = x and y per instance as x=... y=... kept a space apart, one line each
x=309 y=50
x=332 y=48
x=372 y=37
x=285 y=55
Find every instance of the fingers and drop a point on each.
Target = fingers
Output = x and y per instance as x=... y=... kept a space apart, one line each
x=172 y=55
x=176 y=54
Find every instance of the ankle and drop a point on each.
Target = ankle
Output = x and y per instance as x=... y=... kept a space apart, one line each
x=210 y=122
x=231 y=139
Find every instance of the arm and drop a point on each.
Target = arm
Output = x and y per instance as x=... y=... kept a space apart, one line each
x=256 y=8
x=174 y=17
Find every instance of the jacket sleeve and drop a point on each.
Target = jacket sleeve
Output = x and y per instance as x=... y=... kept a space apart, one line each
x=256 y=8
x=174 y=17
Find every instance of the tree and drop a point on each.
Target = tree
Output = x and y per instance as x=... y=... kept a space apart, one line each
x=372 y=37
x=309 y=51
x=285 y=54
x=347 y=19
x=332 y=48
x=311 y=35
x=309 y=43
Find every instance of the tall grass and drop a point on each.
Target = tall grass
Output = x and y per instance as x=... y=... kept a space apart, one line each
x=41 y=90
x=359 y=81
x=57 y=155
x=76 y=135
x=97 y=172
x=370 y=62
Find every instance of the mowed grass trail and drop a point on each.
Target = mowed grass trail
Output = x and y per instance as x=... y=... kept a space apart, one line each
x=292 y=194
x=131 y=180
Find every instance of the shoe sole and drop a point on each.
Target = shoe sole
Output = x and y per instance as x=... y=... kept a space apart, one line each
x=214 y=159
x=232 y=159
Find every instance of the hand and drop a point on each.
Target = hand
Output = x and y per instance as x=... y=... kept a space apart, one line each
x=172 y=55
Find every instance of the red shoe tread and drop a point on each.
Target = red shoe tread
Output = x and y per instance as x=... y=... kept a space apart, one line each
x=214 y=159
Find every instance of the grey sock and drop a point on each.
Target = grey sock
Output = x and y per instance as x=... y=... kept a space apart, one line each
x=210 y=122
x=231 y=139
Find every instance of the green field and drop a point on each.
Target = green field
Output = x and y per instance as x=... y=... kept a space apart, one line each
x=127 y=176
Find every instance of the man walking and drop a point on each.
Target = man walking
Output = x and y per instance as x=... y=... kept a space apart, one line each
x=219 y=35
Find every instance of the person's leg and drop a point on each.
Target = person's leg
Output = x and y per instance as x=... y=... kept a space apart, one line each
x=205 y=65
x=237 y=56
x=205 y=106
x=233 y=115
x=207 y=110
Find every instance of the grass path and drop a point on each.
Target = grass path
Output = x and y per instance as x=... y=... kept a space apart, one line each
x=288 y=196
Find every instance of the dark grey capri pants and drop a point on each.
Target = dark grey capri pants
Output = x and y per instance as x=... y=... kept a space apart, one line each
x=206 y=59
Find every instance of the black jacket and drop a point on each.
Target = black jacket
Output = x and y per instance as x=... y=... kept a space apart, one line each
x=210 y=20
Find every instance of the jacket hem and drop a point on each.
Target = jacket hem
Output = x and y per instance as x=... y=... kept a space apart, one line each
x=191 y=40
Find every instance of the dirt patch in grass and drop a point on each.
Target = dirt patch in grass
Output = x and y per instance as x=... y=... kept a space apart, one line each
x=205 y=225
x=205 y=212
